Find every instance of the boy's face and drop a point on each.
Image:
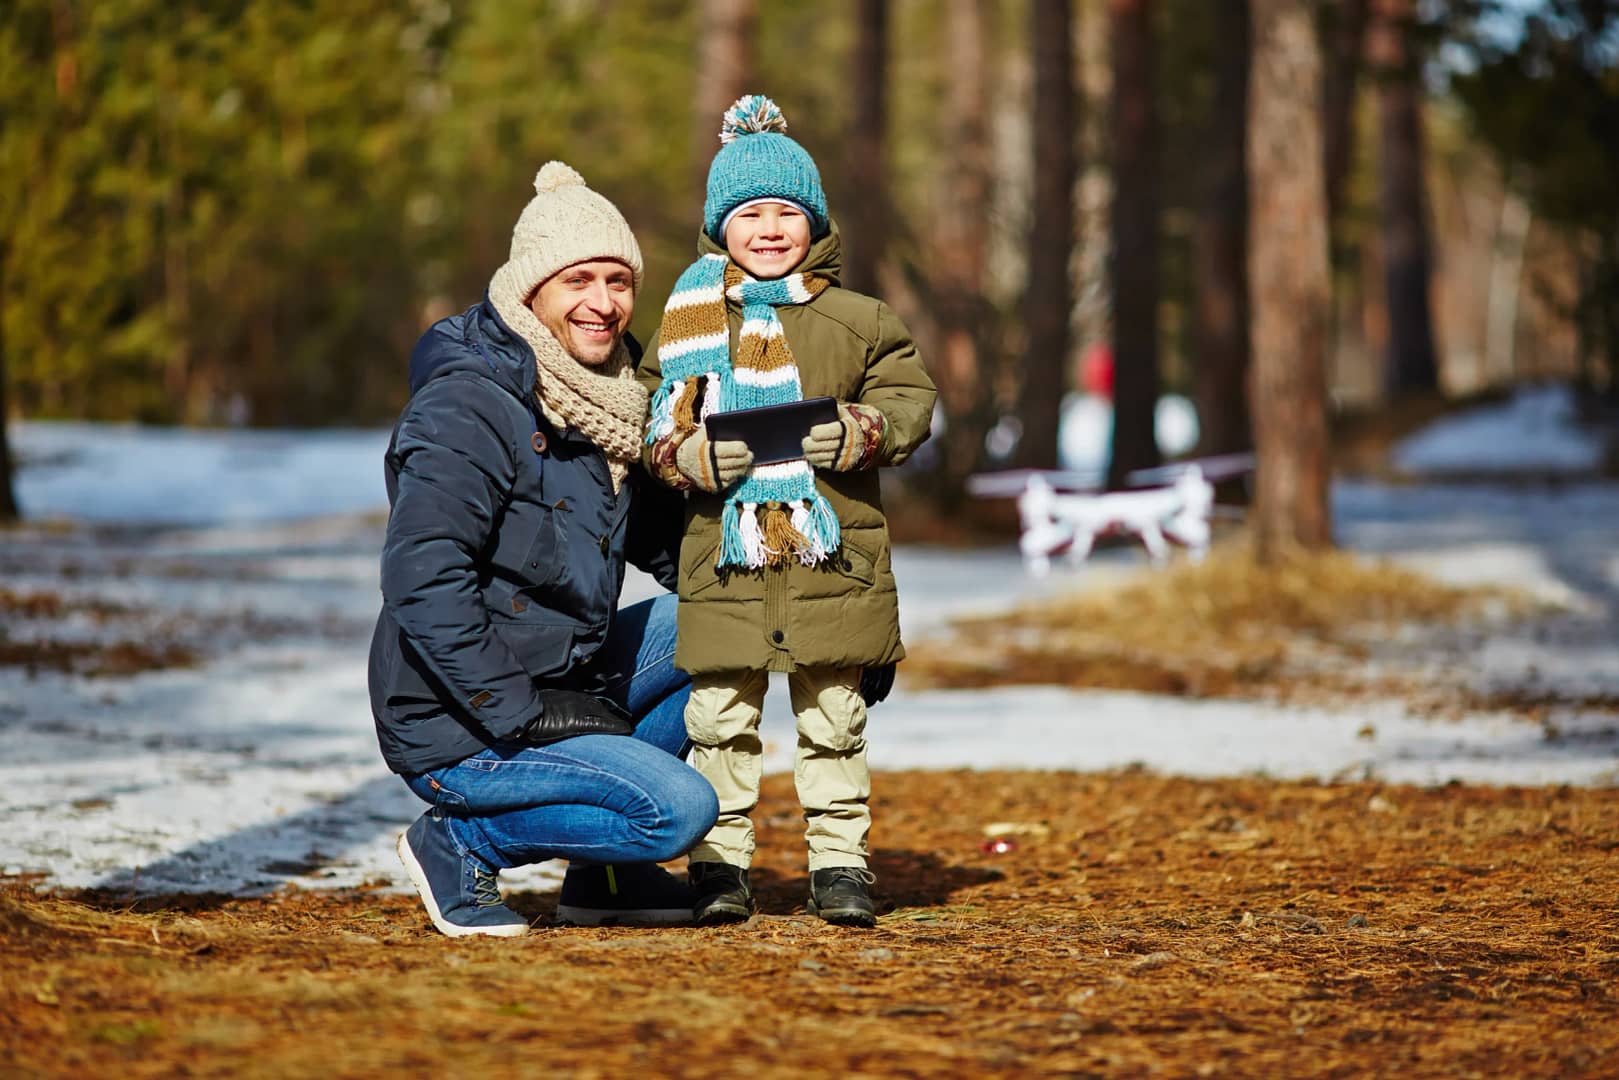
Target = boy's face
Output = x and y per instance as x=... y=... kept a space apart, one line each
x=768 y=239
x=587 y=308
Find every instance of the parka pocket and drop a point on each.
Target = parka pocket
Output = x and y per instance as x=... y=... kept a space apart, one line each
x=854 y=561
x=544 y=649
x=542 y=563
x=699 y=575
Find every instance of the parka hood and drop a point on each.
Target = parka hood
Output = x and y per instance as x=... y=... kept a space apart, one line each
x=496 y=352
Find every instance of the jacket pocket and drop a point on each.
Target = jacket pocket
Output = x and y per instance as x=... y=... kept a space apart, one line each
x=699 y=577
x=855 y=561
x=544 y=649
x=542 y=563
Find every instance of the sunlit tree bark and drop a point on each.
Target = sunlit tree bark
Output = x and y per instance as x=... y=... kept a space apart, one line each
x=1049 y=295
x=1288 y=278
x=865 y=217
x=1221 y=246
x=1411 y=366
x=1135 y=238
x=961 y=244
x=725 y=44
x=1344 y=40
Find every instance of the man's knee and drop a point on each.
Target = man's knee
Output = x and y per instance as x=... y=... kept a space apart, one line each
x=690 y=809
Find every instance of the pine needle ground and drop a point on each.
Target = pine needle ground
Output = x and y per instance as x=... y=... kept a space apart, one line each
x=1123 y=925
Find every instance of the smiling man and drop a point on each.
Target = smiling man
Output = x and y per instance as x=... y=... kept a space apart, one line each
x=536 y=720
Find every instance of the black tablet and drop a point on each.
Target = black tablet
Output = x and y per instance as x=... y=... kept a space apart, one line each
x=773 y=432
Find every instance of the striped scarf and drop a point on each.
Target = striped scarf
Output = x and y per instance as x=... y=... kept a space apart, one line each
x=773 y=515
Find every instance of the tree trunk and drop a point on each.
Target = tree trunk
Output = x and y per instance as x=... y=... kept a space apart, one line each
x=724 y=69
x=1345 y=37
x=1411 y=366
x=8 y=494
x=1135 y=239
x=961 y=251
x=1049 y=295
x=1220 y=247
x=1288 y=278
x=865 y=238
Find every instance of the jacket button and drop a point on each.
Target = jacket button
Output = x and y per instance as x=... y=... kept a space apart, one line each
x=605 y=545
x=777 y=636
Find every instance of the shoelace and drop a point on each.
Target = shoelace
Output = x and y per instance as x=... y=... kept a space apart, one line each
x=485 y=889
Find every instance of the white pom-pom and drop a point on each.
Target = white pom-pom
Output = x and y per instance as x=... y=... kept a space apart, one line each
x=751 y=114
x=556 y=174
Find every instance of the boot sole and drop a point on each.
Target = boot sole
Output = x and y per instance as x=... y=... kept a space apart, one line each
x=722 y=914
x=844 y=916
x=418 y=878
x=582 y=916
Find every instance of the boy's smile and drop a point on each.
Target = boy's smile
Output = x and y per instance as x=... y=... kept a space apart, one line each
x=768 y=239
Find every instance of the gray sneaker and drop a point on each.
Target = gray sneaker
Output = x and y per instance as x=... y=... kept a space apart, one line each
x=461 y=894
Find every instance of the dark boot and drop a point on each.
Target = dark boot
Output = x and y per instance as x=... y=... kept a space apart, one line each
x=723 y=894
x=842 y=895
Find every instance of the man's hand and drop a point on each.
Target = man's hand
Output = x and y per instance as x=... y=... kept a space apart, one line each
x=847 y=443
x=566 y=713
x=712 y=466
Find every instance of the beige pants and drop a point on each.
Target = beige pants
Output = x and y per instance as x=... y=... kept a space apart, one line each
x=834 y=784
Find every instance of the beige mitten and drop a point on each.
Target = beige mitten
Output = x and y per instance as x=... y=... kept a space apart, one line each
x=712 y=466
x=848 y=443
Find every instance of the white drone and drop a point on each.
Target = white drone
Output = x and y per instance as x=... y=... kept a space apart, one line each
x=1060 y=517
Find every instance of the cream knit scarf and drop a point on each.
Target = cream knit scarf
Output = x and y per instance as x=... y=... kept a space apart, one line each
x=605 y=403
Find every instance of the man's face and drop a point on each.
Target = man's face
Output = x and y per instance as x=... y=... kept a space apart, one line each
x=768 y=239
x=587 y=308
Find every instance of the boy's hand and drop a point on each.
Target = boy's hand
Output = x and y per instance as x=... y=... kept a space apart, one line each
x=712 y=466
x=848 y=443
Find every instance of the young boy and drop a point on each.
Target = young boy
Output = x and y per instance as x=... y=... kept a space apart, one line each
x=784 y=567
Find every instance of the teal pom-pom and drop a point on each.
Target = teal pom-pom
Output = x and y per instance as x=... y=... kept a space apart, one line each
x=751 y=114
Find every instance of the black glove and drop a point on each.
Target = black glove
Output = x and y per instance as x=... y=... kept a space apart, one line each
x=566 y=713
x=875 y=683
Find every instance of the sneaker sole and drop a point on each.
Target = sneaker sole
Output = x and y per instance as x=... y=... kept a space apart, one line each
x=418 y=878
x=581 y=916
x=844 y=916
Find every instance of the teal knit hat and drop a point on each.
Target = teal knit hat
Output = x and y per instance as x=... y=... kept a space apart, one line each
x=756 y=161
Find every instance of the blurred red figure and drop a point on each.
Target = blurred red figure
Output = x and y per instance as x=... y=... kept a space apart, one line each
x=1096 y=370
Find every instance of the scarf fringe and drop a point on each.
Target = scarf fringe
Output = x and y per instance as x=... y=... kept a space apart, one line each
x=662 y=424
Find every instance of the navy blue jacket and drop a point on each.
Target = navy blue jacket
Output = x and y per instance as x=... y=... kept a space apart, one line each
x=504 y=554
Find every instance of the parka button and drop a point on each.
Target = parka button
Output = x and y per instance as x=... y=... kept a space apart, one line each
x=605 y=545
x=777 y=636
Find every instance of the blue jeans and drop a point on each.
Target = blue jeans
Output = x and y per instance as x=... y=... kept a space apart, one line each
x=592 y=798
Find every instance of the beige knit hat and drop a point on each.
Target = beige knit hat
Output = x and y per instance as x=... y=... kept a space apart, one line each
x=563 y=224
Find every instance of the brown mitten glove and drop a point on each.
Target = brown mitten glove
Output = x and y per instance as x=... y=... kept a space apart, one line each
x=847 y=444
x=712 y=466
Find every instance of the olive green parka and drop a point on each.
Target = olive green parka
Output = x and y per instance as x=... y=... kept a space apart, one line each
x=844 y=612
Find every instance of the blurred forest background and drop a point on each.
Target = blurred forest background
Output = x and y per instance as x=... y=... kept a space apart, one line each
x=245 y=211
